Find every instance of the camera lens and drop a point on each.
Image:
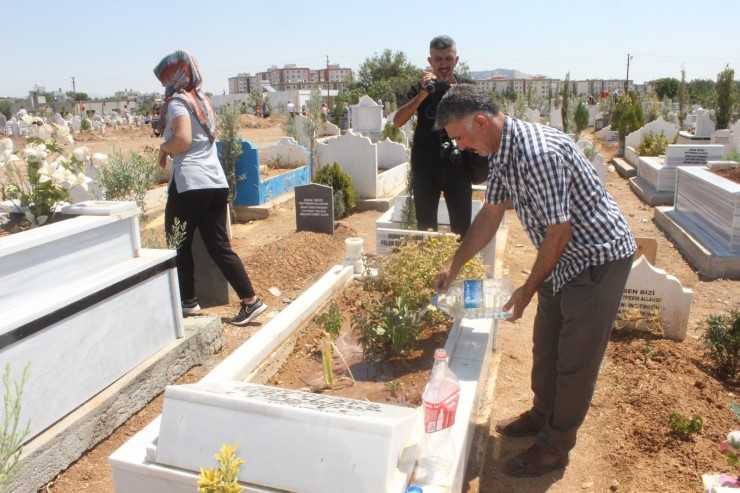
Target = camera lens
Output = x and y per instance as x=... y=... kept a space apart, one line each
x=455 y=156
x=430 y=87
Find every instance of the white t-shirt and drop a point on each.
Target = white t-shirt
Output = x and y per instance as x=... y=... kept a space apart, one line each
x=198 y=167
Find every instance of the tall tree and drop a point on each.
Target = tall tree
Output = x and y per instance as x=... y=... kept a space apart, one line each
x=581 y=118
x=566 y=97
x=391 y=68
x=666 y=87
x=701 y=92
x=726 y=97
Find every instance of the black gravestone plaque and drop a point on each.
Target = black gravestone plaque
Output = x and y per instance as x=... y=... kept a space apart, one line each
x=314 y=208
x=598 y=124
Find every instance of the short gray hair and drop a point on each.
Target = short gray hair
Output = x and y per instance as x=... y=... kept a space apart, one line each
x=441 y=43
x=462 y=100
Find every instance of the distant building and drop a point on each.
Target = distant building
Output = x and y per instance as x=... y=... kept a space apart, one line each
x=290 y=78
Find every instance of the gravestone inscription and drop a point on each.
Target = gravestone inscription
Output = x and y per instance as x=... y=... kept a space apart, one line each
x=314 y=208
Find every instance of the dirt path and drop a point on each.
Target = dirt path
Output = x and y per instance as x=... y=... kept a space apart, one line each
x=622 y=444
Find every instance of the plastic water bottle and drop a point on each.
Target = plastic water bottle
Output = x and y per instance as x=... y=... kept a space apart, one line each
x=437 y=449
x=476 y=298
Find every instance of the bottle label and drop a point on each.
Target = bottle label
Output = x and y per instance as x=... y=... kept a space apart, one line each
x=441 y=415
x=472 y=293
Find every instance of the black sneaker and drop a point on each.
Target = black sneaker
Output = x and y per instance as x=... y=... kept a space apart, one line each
x=248 y=312
x=190 y=307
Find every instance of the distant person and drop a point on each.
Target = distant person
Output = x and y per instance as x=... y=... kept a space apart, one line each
x=584 y=255
x=198 y=191
x=615 y=94
x=433 y=169
x=21 y=113
x=604 y=94
x=265 y=110
x=291 y=108
x=126 y=115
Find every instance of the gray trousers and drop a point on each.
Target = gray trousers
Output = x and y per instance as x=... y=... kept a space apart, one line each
x=571 y=331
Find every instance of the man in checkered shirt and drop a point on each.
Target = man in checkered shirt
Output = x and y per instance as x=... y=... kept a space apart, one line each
x=585 y=251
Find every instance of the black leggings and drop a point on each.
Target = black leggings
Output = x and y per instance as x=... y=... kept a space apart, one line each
x=205 y=210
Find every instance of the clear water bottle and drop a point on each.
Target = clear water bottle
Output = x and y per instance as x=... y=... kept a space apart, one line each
x=436 y=456
x=476 y=298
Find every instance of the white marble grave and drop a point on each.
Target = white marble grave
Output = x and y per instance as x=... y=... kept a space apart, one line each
x=532 y=116
x=724 y=138
x=333 y=442
x=653 y=293
x=556 y=118
x=660 y=173
x=367 y=118
x=736 y=135
x=288 y=153
x=135 y=465
x=704 y=123
x=633 y=140
x=360 y=158
x=89 y=270
x=712 y=203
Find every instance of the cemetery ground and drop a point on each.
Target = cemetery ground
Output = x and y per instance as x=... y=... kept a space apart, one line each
x=625 y=443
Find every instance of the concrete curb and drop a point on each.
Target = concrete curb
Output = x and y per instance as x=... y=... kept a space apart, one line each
x=67 y=440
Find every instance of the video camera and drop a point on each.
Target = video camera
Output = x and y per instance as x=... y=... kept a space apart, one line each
x=448 y=148
x=434 y=85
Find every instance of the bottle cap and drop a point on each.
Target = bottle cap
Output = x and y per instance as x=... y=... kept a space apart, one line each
x=440 y=354
x=414 y=489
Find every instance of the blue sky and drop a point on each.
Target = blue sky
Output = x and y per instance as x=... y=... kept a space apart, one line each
x=109 y=46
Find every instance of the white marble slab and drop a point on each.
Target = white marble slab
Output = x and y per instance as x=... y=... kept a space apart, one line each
x=290 y=440
x=692 y=155
x=288 y=153
x=713 y=204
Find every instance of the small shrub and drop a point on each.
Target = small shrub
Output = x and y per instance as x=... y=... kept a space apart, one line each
x=130 y=178
x=722 y=343
x=684 y=428
x=85 y=125
x=226 y=478
x=391 y=132
x=388 y=328
x=231 y=144
x=653 y=145
x=733 y=155
x=11 y=435
x=344 y=192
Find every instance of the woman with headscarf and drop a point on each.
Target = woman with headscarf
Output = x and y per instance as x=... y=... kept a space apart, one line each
x=198 y=191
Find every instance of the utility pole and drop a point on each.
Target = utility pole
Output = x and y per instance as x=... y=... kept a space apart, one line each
x=327 y=83
x=627 y=80
x=74 y=97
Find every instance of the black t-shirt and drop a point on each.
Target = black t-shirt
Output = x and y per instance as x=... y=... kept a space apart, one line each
x=426 y=147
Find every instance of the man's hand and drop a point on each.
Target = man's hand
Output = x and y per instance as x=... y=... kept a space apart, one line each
x=442 y=280
x=425 y=78
x=517 y=303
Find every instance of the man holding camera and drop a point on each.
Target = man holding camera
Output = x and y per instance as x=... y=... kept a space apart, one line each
x=436 y=164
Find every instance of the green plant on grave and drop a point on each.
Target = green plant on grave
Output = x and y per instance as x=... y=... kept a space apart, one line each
x=580 y=118
x=409 y=272
x=173 y=239
x=331 y=321
x=733 y=155
x=408 y=213
x=391 y=132
x=230 y=150
x=590 y=153
x=684 y=428
x=388 y=328
x=344 y=192
x=225 y=479
x=653 y=145
x=85 y=125
x=735 y=407
x=129 y=178
x=12 y=434
x=722 y=343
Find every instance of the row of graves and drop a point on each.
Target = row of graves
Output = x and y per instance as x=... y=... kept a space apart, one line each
x=695 y=206
x=27 y=126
